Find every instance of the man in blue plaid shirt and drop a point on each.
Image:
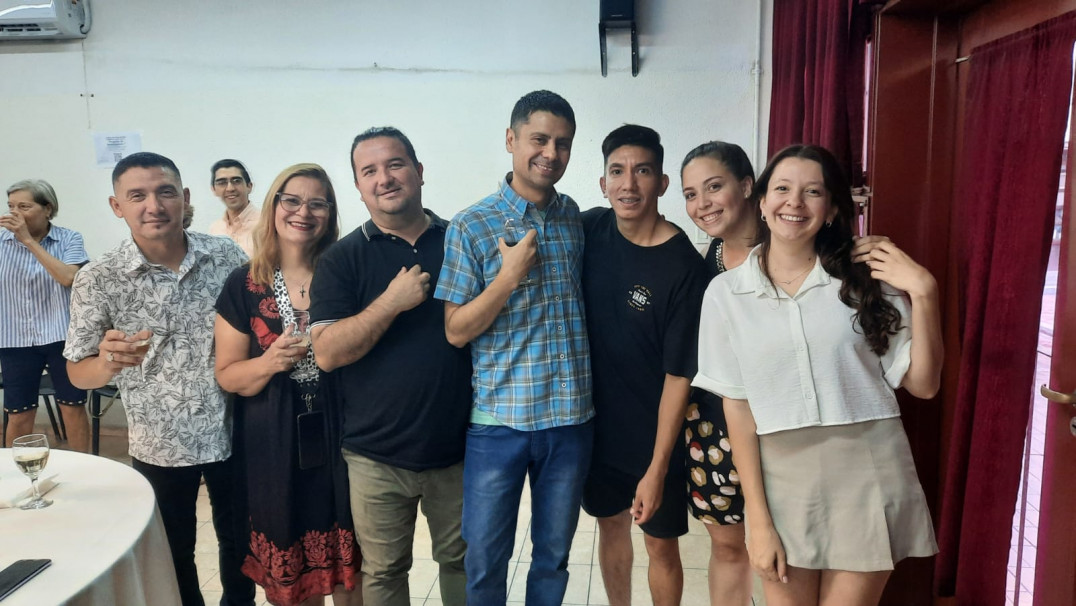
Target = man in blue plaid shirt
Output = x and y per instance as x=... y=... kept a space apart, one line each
x=520 y=306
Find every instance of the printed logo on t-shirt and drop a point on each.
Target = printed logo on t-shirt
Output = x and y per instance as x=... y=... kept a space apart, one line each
x=639 y=298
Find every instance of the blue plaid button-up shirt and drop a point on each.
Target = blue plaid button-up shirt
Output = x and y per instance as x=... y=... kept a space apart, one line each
x=532 y=365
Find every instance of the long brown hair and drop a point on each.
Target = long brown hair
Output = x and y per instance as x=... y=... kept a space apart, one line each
x=266 y=242
x=833 y=244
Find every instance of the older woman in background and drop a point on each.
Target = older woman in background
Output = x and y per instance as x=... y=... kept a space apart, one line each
x=38 y=261
x=302 y=543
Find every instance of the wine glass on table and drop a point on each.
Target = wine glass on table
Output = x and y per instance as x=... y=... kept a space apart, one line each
x=31 y=454
x=514 y=231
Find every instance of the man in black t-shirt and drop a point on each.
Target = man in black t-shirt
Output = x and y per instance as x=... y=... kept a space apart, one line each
x=404 y=391
x=643 y=282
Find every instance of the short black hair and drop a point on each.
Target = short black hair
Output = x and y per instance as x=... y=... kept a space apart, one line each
x=381 y=131
x=228 y=163
x=541 y=101
x=639 y=136
x=143 y=160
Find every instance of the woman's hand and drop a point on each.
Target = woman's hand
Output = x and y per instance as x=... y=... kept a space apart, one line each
x=767 y=554
x=284 y=353
x=894 y=267
x=16 y=224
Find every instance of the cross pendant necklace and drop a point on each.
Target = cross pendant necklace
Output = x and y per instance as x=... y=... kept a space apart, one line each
x=302 y=289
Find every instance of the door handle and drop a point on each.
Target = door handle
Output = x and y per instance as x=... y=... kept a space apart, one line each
x=1057 y=396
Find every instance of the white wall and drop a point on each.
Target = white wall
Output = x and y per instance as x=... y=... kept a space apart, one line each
x=276 y=82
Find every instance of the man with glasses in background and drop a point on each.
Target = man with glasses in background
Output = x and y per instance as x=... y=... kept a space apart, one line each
x=405 y=392
x=231 y=183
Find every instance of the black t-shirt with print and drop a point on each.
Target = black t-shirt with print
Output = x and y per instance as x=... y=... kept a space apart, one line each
x=642 y=308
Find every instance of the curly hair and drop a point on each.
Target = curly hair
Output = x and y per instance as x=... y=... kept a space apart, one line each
x=876 y=316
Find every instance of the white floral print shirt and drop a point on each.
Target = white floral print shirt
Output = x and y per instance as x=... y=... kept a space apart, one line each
x=177 y=415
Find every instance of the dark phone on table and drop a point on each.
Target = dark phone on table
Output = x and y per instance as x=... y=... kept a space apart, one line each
x=13 y=577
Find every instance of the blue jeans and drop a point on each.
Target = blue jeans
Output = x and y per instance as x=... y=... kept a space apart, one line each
x=497 y=461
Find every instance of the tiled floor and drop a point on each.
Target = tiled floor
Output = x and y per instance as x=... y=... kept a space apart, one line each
x=584 y=585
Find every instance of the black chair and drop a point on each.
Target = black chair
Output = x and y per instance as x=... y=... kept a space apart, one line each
x=110 y=392
x=47 y=393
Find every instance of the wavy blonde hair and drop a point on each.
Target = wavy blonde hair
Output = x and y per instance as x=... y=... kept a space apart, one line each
x=266 y=242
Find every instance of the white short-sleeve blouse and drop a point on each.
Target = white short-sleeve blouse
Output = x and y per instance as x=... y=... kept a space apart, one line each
x=799 y=361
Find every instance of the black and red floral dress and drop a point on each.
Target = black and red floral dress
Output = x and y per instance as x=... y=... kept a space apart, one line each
x=302 y=542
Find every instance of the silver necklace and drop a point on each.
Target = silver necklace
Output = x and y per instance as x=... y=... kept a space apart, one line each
x=797 y=276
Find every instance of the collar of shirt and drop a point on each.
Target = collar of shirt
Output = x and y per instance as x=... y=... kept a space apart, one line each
x=519 y=204
x=248 y=214
x=134 y=262
x=370 y=229
x=751 y=280
x=6 y=235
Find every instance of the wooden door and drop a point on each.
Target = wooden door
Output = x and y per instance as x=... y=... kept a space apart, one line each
x=1055 y=568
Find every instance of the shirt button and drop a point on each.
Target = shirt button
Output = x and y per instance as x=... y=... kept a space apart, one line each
x=556 y=298
x=563 y=384
x=414 y=250
x=810 y=396
x=554 y=270
x=799 y=348
x=561 y=356
x=560 y=328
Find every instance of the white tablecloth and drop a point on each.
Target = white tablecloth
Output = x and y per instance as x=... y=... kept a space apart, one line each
x=103 y=534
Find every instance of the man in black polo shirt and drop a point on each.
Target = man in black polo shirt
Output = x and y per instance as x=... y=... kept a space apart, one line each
x=643 y=283
x=404 y=391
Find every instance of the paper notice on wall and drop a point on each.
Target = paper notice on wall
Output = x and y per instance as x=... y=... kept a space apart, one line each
x=110 y=148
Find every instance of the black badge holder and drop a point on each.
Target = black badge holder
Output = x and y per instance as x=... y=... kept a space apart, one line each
x=313 y=430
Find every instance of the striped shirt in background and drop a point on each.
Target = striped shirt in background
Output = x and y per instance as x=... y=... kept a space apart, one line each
x=34 y=307
x=532 y=365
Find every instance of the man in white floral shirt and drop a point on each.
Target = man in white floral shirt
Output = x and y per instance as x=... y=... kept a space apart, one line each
x=142 y=316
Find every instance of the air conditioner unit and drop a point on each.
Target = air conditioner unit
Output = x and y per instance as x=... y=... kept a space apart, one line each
x=44 y=19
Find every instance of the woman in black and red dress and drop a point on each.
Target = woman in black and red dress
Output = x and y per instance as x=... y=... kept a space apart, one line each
x=302 y=545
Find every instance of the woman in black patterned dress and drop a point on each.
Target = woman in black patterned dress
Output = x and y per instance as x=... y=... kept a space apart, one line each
x=302 y=543
x=718 y=181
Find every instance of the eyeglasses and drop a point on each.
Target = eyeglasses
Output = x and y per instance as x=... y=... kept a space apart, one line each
x=222 y=182
x=318 y=207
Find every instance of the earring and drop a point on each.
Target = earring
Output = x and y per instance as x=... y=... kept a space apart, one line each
x=829 y=223
x=763 y=218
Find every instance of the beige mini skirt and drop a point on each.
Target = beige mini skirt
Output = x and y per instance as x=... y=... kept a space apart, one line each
x=846 y=497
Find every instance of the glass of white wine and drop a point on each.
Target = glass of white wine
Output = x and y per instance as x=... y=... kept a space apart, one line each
x=514 y=231
x=301 y=327
x=31 y=454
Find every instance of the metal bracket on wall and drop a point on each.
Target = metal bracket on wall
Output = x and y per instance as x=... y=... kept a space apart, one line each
x=634 y=45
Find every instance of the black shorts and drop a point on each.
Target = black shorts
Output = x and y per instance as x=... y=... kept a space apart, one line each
x=22 y=366
x=609 y=491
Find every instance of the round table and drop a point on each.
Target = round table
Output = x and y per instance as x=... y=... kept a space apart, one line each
x=103 y=534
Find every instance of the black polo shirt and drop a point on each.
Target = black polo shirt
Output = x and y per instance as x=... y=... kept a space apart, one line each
x=407 y=402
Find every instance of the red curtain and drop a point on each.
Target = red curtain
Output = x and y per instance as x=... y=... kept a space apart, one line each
x=817 y=92
x=1017 y=105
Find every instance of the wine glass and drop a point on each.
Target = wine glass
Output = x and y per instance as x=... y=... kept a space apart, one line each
x=31 y=454
x=141 y=349
x=514 y=231
x=301 y=326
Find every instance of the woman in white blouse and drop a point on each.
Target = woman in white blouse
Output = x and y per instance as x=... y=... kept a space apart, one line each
x=806 y=342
